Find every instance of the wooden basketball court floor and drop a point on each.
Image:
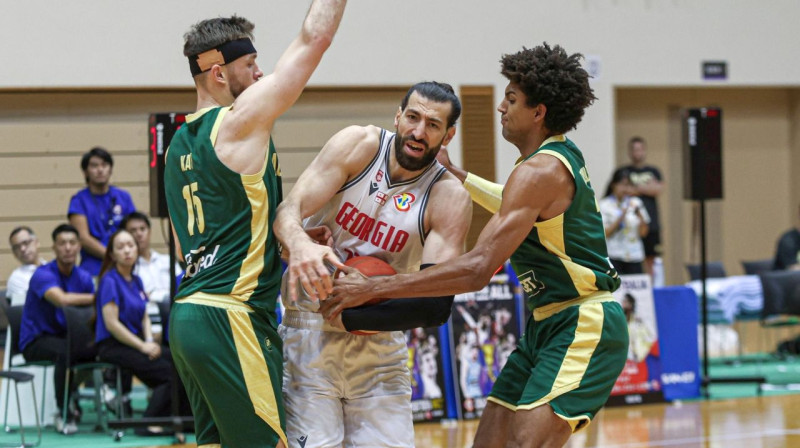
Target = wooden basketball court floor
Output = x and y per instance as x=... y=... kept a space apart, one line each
x=757 y=422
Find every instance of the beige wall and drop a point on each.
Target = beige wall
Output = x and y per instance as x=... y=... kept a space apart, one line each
x=760 y=156
x=44 y=134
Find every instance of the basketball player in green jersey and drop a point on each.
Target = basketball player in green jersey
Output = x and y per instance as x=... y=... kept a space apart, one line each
x=222 y=182
x=547 y=221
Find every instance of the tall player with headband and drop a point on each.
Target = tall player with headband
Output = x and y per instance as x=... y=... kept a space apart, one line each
x=576 y=340
x=222 y=183
x=382 y=194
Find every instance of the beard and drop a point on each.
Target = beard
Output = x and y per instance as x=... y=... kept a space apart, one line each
x=411 y=163
x=236 y=87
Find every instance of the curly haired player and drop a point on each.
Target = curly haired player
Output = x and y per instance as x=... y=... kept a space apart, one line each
x=547 y=221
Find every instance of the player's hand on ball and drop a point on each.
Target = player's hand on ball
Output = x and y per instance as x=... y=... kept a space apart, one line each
x=308 y=265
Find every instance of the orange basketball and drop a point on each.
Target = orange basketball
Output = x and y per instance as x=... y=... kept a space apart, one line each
x=371 y=267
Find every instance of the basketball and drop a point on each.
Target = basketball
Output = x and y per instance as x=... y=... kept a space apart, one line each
x=371 y=267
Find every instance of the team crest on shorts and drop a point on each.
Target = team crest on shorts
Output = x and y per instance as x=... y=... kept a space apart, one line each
x=403 y=201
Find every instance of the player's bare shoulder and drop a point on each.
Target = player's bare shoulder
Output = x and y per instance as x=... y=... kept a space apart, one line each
x=449 y=201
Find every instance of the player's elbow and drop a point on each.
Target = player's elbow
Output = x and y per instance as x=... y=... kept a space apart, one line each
x=318 y=40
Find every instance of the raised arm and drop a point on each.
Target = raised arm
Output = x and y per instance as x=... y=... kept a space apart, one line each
x=342 y=157
x=259 y=105
x=540 y=187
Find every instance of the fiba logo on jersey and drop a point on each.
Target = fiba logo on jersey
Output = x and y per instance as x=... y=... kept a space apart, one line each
x=403 y=201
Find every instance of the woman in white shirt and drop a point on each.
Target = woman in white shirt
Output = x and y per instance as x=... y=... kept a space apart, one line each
x=626 y=222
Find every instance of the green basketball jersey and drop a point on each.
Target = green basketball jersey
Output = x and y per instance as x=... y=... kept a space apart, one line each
x=223 y=219
x=565 y=257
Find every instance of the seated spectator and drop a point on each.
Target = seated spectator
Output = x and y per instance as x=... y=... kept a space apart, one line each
x=25 y=247
x=625 y=221
x=123 y=332
x=787 y=255
x=97 y=210
x=152 y=267
x=43 y=332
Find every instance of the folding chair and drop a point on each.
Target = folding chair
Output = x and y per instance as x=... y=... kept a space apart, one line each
x=14 y=314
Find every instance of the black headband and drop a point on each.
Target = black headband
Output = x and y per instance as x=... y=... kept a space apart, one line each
x=223 y=54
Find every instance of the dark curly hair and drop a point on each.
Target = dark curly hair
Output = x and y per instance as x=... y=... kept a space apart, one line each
x=551 y=77
x=211 y=33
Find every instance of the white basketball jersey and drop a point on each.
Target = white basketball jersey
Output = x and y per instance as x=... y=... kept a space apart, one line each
x=371 y=215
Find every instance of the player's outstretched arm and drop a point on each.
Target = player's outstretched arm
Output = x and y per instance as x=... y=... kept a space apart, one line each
x=256 y=109
x=541 y=184
x=343 y=156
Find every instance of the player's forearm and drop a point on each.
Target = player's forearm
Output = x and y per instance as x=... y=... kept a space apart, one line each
x=466 y=273
x=321 y=22
x=288 y=225
x=399 y=315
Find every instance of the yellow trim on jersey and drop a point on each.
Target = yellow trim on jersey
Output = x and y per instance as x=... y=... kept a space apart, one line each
x=194 y=116
x=215 y=129
x=259 y=176
x=256 y=374
x=559 y=157
x=502 y=403
x=217 y=301
x=253 y=263
x=543 y=312
x=551 y=235
x=210 y=445
x=576 y=359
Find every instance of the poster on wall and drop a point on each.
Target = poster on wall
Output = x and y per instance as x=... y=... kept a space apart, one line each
x=484 y=330
x=425 y=363
x=640 y=380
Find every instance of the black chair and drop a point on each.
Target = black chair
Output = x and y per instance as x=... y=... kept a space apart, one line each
x=80 y=334
x=714 y=269
x=781 y=298
x=756 y=267
x=14 y=315
x=16 y=378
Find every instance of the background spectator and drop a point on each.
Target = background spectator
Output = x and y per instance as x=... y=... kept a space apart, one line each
x=43 y=332
x=123 y=332
x=787 y=255
x=625 y=221
x=152 y=267
x=647 y=186
x=97 y=210
x=25 y=247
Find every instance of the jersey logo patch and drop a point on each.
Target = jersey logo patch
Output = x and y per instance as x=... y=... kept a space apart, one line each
x=379 y=175
x=373 y=187
x=403 y=201
x=381 y=198
x=530 y=284
x=302 y=441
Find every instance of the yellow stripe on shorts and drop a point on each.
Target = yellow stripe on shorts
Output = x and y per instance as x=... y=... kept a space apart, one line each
x=256 y=374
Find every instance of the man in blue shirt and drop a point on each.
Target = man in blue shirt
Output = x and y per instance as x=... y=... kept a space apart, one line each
x=43 y=332
x=97 y=210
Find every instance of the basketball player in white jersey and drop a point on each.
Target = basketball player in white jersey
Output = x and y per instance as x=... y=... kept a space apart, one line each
x=381 y=194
